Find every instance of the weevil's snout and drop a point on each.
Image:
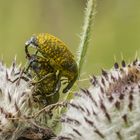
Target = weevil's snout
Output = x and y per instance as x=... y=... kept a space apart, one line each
x=32 y=42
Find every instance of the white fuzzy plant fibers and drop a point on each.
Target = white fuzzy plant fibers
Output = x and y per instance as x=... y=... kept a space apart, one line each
x=108 y=110
x=15 y=101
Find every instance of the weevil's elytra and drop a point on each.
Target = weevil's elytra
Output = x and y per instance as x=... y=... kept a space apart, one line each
x=59 y=56
x=52 y=47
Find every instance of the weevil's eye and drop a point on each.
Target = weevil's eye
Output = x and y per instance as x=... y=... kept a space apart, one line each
x=36 y=67
x=32 y=42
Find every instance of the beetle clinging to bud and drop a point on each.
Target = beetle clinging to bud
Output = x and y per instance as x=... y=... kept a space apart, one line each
x=46 y=84
x=59 y=56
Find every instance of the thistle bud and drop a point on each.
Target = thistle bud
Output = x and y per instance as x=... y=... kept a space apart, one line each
x=109 y=109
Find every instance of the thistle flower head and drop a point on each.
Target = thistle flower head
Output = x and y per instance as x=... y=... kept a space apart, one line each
x=109 y=109
x=15 y=99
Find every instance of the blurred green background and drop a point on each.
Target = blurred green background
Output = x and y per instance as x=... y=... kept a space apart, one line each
x=115 y=33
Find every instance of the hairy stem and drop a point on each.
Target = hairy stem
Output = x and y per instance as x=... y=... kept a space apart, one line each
x=85 y=35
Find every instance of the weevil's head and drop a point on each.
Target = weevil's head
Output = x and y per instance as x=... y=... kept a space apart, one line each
x=32 y=42
x=37 y=41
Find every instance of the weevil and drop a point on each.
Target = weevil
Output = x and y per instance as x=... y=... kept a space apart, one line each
x=58 y=54
x=46 y=84
x=43 y=77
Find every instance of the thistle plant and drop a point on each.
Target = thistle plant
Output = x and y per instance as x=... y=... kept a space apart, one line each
x=15 y=101
x=109 y=109
x=19 y=113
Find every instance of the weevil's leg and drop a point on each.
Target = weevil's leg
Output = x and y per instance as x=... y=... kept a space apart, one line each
x=22 y=71
x=64 y=79
x=31 y=60
x=58 y=85
x=20 y=77
x=65 y=82
x=26 y=70
x=36 y=52
x=56 y=90
x=26 y=51
x=46 y=76
x=58 y=82
x=26 y=73
x=70 y=84
x=31 y=66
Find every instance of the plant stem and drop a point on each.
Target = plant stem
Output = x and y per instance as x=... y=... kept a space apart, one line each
x=85 y=35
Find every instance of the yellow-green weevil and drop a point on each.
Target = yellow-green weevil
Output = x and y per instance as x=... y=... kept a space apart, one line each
x=58 y=54
x=45 y=81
